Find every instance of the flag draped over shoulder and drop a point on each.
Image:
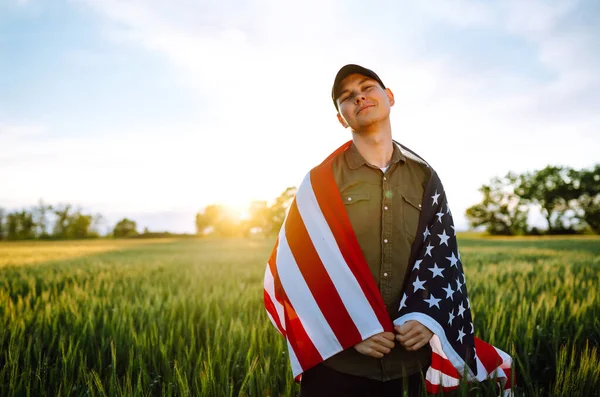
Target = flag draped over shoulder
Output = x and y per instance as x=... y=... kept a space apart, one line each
x=320 y=294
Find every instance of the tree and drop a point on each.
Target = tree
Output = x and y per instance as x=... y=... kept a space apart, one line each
x=2 y=215
x=41 y=219
x=12 y=226
x=551 y=189
x=125 y=228
x=587 y=190
x=26 y=225
x=61 y=225
x=501 y=211
x=278 y=210
x=79 y=225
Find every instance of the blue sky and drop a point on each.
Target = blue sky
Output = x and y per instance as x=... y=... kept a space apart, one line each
x=154 y=109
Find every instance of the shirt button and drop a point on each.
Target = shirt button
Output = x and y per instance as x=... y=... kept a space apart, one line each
x=349 y=198
x=384 y=178
x=384 y=274
x=385 y=240
x=385 y=208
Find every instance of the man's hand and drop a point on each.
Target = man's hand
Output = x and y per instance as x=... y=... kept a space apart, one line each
x=413 y=335
x=377 y=345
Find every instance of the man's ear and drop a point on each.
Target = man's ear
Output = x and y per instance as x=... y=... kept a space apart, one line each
x=390 y=96
x=342 y=121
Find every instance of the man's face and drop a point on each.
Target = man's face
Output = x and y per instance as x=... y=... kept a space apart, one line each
x=363 y=102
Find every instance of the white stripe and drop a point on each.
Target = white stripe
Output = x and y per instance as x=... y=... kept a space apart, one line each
x=299 y=295
x=438 y=330
x=343 y=279
x=270 y=288
x=295 y=364
x=437 y=377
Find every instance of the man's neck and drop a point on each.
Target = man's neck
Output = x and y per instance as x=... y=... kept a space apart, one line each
x=376 y=147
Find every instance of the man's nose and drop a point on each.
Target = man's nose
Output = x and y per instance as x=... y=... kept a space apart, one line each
x=359 y=99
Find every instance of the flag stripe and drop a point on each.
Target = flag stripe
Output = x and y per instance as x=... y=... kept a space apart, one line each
x=346 y=285
x=308 y=355
x=488 y=355
x=318 y=281
x=335 y=214
x=444 y=365
x=273 y=286
x=272 y=312
x=300 y=297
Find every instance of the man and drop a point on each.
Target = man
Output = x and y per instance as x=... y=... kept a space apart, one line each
x=382 y=188
x=365 y=279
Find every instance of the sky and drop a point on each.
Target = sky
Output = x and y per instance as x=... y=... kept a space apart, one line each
x=154 y=109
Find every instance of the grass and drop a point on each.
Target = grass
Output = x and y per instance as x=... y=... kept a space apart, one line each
x=186 y=318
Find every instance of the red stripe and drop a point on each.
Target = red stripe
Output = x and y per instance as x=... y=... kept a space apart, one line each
x=305 y=351
x=332 y=207
x=443 y=365
x=307 y=354
x=509 y=380
x=435 y=388
x=318 y=281
x=273 y=311
x=488 y=355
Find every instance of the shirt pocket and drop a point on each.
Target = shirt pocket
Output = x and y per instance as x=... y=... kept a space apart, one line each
x=411 y=206
x=360 y=213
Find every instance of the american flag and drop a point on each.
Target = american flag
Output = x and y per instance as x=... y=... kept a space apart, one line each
x=320 y=294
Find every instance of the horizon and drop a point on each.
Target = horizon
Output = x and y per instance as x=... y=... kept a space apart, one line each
x=125 y=108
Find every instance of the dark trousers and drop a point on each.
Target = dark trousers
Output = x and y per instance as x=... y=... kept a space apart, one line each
x=322 y=381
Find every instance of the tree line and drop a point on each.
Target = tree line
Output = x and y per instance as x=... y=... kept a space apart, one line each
x=59 y=222
x=568 y=199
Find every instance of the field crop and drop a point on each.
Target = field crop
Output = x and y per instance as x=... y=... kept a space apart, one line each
x=186 y=317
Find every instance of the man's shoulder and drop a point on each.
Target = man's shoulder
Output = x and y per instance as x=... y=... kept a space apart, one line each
x=412 y=156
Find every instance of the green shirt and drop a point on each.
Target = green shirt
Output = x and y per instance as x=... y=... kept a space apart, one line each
x=384 y=212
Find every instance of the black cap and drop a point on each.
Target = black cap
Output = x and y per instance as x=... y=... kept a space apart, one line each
x=346 y=71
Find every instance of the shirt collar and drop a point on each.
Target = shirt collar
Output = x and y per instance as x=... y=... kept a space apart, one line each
x=355 y=159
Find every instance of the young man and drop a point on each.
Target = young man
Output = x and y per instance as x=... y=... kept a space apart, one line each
x=382 y=189
x=365 y=280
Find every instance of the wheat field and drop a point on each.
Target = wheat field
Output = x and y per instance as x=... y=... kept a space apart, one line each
x=185 y=317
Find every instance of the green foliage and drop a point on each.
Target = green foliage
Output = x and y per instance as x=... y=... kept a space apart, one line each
x=187 y=318
x=125 y=228
x=502 y=212
x=587 y=204
x=551 y=189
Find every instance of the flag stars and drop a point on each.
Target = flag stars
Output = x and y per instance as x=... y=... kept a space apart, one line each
x=417 y=264
x=461 y=335
x=451 y=317
x=452 y=260
x=449 y=292
x=426 y=233
x=458 y=285
x=440 y=215
x=437 y=271
x=418 y=284
x=453 y=230
x=472 y=328
x=429 y=248
x=435 y=198
x=443 y=238
x=402 y=302
x=433 y=301
x=461 y=311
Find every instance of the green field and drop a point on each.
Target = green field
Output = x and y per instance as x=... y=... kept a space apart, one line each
x=186 y=317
